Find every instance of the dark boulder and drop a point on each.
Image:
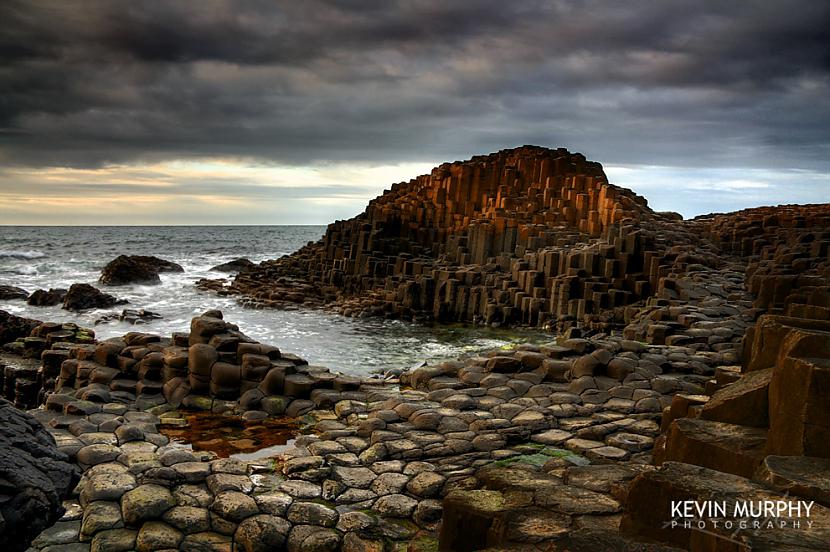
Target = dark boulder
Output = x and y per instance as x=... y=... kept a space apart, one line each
x=12 y=327
x=136 y=269
x=13 y=292
x=34 y=478
x=237 y=265
x=85 y=296
x=43 y=298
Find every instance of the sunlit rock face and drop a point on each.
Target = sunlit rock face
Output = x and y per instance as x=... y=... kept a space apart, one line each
x=520 y=236
x=528 y=236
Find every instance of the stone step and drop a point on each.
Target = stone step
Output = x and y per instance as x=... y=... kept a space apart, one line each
x=744 y=402
x=729 y=448
x=802 y=476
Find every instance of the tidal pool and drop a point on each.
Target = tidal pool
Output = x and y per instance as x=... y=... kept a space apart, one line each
x=231 y=436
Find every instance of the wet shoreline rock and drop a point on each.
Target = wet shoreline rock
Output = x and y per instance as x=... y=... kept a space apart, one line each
x=84 y=297
x=44 y=298
x=136 y=269
x=540 y=446
x=371 y=445
x=13 y=327
x=12 y=292
x=237 y=265
x=132 y=316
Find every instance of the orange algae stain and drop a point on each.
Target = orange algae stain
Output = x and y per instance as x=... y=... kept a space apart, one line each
x=230 y=435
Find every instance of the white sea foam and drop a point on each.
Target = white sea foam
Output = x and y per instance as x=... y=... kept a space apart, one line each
x=27 y=254
x=22 y=270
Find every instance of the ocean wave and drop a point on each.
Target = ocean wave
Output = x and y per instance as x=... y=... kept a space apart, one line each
x=24 y=270
x=28 y=254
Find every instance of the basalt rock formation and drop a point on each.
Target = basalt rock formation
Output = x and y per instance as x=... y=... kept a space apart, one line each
x=214 y=360
x=538 y=237
x=136 y=269
x=542 y=447
x=34 y=478
x=787 y=249
x=525 y=236
x=131 y=316
x=528 y=235
x=761 y=432
x=23 y=380
x=703 y=376
x=380 y=454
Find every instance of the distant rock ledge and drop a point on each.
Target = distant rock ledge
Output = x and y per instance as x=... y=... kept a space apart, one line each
x=236 y=265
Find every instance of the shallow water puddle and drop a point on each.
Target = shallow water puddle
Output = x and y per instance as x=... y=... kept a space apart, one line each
x=231 y=436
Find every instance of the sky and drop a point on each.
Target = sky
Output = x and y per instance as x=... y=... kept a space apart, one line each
x=285 y=112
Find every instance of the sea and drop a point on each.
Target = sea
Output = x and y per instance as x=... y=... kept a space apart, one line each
x=43 y=257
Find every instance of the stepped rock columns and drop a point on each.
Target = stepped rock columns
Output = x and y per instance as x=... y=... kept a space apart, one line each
x=538 y=237
x=523 y=236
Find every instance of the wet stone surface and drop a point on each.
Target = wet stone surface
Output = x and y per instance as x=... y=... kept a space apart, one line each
x=372 y=460
x=228 y=435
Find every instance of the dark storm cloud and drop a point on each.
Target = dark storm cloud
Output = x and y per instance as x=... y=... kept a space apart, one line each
x=87 y=83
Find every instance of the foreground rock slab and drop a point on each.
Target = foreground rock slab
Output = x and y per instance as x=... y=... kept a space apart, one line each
x=35 y=477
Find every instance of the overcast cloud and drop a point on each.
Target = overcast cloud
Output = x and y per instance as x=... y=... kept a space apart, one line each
x=699 y=105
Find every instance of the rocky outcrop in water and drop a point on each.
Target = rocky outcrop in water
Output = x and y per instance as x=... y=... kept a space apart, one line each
x=44 y=298
x=34 y=478
x=84 y=296
x=236 y=265
x=12 y=292
x=136 y=317
x=136 y=269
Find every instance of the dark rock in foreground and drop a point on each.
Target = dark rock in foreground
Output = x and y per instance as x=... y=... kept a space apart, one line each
x=34 y=478
x=85 y=296
x=12 y=327
x=237 y=265
x=136 y=269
